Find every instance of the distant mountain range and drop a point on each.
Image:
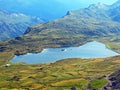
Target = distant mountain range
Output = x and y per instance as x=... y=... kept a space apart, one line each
x=47 y=10
x=15 y=24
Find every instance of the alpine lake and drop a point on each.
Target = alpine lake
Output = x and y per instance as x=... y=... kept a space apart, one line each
x=89 y=50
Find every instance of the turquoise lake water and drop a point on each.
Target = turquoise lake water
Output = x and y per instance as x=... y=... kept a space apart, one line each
x=89 y=50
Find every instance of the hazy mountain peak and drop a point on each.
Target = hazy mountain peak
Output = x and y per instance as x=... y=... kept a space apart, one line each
x=101 y=5
x=115 y=5
x=98 y=6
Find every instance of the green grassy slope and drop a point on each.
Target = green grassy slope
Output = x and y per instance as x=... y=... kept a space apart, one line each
x=61 y=75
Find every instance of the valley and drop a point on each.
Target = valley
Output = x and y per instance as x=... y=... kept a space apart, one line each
x=94 y=23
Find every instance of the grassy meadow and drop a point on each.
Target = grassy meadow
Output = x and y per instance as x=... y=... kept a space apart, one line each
x=61 y=75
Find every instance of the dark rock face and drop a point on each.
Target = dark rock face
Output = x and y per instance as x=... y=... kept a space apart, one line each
x=114 y=81
x=73 y=88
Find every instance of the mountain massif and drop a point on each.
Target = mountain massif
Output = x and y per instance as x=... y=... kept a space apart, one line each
x=15 y=24
x=96 y=20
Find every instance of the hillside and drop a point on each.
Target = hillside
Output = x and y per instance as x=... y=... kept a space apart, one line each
x=96 y=20
x=14 y=24
x=81 y=74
